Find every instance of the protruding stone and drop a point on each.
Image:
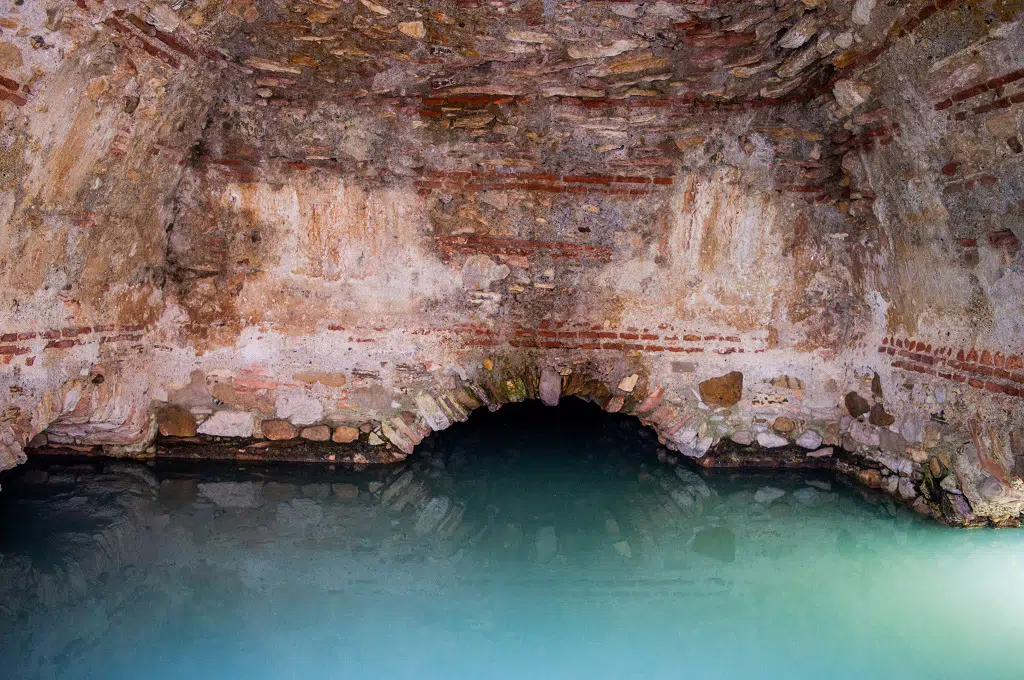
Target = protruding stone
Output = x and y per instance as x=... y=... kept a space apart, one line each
x=228 y=424
x=949 y=484
x=431 y=413
x=770 y=440
x=991 y=488
x=862 y=11
x=892 y=443
x=870 y=478
x=809 y=439
x=957 y=508
x=550 y=386
x=791 y=67
x=879 y=417
x=856 y=405
x=628 y=383
x=397 y=431
x=272 y=66
x=175 y=421
x=863 y=433
x=820 y=453
x=344 y=434
x=413 y=29
x=906 y=489
x=800 y=33
x=278 y=429
x=787 y=382
x=850 y=94
x=743 y=437
x=298 y=408
x=480 y=271
x=783 y=425
x=598 y=51
x=876 y=386
x=375 y=8
x=316 y=433
x=726 y=390
x=898 y=464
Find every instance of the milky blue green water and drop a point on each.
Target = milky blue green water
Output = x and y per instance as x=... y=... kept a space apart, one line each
x=529 y=543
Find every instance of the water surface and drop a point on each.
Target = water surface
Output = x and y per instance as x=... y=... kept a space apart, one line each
x=527 y=543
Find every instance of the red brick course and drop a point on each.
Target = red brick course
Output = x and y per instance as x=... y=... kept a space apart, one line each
x=992 y=371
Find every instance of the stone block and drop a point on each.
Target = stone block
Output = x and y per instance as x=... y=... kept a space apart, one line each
x=316 y=433
x=278 y=429
x=344 y=434
x=175 y=421
x=726 y=390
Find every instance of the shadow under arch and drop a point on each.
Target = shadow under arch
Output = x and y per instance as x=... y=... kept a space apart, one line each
x=532 y=484
x=545 y=481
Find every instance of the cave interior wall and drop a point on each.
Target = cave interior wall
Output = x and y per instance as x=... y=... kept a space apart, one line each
x=256 y=219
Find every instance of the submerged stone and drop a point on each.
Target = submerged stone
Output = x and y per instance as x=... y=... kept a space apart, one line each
x=717 y=543
x=546 y=544
x=231 y=494
x=768 y=494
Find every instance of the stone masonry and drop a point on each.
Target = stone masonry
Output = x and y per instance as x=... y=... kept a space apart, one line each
x=778 y=232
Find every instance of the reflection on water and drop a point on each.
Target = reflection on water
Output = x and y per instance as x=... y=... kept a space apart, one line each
x=531 y=542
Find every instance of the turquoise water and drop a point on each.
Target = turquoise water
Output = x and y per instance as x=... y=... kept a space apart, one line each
x=527 y=543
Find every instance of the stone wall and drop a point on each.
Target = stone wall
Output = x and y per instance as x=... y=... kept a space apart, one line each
x=775 y=227
x=96 y=127
x=947 y=280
